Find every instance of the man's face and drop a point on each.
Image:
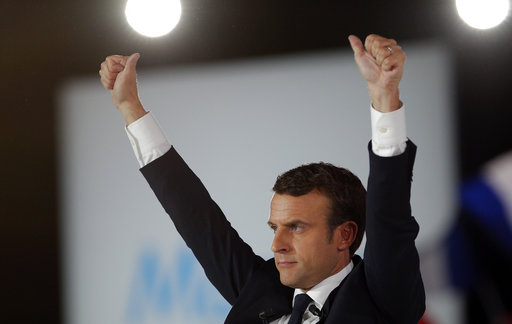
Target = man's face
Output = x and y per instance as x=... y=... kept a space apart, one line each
x=302 y=251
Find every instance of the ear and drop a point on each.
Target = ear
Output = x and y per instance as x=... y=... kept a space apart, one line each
x=345 y=235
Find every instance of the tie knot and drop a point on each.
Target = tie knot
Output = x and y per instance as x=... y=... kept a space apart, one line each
x=300 y=304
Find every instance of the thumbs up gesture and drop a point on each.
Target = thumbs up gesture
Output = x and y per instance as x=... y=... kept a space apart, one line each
x=381 y=63
x=118 y=74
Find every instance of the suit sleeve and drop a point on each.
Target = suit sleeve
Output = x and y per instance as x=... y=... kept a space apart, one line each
x=227 y=261
x=391 y=259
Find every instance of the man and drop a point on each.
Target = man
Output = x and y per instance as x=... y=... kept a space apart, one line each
x=317 y=215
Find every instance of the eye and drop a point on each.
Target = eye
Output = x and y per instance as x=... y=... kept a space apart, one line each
x=273 y=228
x=296 y=227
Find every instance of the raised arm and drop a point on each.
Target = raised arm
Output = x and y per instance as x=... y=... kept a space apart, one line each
x=227 y=260
x=390 y=256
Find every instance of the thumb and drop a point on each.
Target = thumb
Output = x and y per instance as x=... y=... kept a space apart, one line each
x=357 y=45
x=131 y=62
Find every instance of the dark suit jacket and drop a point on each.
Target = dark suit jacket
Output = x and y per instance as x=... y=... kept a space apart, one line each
x=385 y=287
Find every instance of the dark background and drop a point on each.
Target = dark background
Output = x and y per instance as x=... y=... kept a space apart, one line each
x=45 y=42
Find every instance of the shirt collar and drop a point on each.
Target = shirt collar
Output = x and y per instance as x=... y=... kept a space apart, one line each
x=321 y=291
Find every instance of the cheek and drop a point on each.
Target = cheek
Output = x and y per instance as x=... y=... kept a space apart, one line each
x=308 y=249
x=315 y=250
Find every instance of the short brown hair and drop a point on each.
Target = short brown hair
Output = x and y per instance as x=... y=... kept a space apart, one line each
x=345 y=191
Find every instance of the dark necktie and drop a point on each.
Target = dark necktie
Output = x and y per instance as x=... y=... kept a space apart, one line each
x=299 y=306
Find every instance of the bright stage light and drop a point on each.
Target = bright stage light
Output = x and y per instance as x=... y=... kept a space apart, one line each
x=483 y=14
x=153 y=18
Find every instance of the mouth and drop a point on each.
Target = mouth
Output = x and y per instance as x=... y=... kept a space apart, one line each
x=285 y=264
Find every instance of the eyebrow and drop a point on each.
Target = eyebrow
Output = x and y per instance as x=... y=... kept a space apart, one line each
x=289 y=223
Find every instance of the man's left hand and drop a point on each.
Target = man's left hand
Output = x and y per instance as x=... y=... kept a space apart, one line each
x=381 y=63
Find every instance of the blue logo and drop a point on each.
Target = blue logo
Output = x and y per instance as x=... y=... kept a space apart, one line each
x=177 y=290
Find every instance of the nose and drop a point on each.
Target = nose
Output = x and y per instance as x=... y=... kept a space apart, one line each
x=280 y=244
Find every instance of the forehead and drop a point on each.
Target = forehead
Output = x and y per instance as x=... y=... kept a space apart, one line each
x=308 y=207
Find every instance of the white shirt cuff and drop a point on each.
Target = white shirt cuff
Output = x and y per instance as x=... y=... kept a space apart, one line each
x=147 y=139
x=388 y=132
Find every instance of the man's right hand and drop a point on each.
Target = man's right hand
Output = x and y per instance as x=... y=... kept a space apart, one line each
x=118 y=74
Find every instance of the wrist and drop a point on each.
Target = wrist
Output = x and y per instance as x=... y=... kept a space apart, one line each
x=385 y=100
x=131 y=111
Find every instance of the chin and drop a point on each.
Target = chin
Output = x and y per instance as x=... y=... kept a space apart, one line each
x=292 y=284
x=287 y=282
